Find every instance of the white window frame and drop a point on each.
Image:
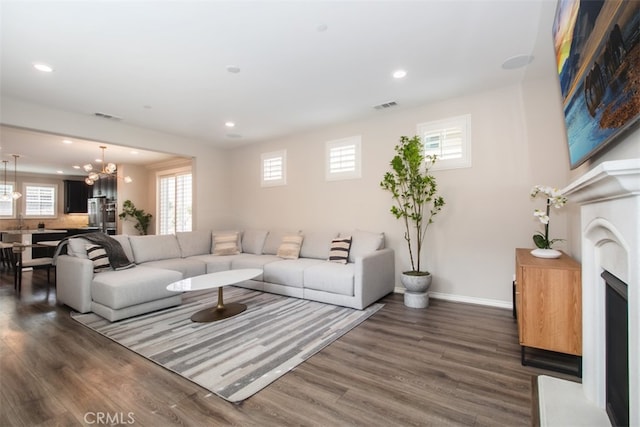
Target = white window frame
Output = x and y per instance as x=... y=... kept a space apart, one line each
x=173 y=173
x=334 y=148
x=265 y=160
x=463 y=123
x=54 y=206
x=11 y=203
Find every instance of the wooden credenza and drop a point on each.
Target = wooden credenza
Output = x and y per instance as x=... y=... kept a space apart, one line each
x=548 y=298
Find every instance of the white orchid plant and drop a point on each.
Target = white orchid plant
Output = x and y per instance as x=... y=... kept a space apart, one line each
x=554 y=199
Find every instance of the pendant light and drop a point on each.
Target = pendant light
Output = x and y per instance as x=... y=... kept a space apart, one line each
x=108 y=169
x=16 y=194
x=5 y=197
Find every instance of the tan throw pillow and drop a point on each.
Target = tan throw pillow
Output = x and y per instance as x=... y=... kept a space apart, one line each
x=98 y=256
x=290 y=246
x=339 y=251
x=226 y=244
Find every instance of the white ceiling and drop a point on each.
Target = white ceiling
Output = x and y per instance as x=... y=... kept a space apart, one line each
x=303 y=64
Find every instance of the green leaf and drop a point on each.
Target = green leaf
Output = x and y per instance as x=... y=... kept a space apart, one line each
x=540 y=241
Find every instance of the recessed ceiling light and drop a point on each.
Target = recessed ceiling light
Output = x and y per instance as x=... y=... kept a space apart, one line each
x=42 y=67
x=134 y=152
x=517 y=61
x=322 y=28
x=60 y=172
x=229 y=124
x=234 y=69
x=76 y=167
x=67 y=141
x=399 y=74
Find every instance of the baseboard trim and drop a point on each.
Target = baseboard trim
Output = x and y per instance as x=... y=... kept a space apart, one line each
x=465 y=299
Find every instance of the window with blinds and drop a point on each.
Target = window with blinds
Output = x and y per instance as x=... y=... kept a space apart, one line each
x=343 y=158
x=274 y=168
x=7 y=208
x=40 y=200
x=449 y=140
x=175 y=192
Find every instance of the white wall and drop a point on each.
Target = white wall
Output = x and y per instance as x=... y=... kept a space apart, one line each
x=211 y=194
x=136 y=191
x=470 y=248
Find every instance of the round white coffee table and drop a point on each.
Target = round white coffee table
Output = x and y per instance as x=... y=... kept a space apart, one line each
x=216 y=280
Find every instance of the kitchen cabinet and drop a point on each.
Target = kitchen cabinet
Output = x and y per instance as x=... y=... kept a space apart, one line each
x=76 y=194
x=548 y=299
x=106 y=187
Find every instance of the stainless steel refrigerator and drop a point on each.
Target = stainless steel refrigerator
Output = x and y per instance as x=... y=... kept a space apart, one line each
x=102 y=214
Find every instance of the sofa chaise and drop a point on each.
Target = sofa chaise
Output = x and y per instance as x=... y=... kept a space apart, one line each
x=293 y=264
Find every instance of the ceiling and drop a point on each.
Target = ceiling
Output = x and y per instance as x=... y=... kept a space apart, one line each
x=273 y=68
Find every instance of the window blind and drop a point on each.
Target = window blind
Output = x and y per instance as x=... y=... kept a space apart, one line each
x=40 y=200
x=175 y=203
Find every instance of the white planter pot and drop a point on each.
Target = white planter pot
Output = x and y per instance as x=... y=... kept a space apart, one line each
x=416 y=283
x=416 y=300
x=546 y=253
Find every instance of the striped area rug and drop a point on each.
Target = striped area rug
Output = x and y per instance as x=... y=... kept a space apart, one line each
x=236 y=357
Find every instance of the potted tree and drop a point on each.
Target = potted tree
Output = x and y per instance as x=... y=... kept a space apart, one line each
x=142 y=218
x=414 y=191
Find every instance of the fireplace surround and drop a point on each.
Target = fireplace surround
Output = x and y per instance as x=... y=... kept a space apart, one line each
x=609 y=199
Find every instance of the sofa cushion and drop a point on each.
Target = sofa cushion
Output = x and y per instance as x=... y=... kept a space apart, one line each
x=252 y=261
x=274 y=239
x=316 y=244
x=77 y=247
x=330 y=277
x=98 y=257
x=123 y=239
x=339 y=251
x=253 y=241
x=189 y=267
x=215 y=263
x=226 y=243
x=364 y=242
x=290 y=246
x=154 y=247
x=288 y=272
x=118 y=289
x=194 y=242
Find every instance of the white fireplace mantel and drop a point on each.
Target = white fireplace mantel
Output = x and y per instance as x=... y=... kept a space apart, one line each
x=608 y=180
x=609 y=198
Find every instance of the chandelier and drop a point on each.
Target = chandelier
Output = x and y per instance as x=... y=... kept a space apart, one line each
x=108 y=169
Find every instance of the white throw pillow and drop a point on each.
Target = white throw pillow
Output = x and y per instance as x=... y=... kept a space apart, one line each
x=290 y=246
x=226 y=244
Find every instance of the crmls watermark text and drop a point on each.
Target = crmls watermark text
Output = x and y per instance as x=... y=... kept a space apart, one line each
x=109 y=418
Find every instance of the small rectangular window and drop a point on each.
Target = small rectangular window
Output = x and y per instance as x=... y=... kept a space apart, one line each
x=274 y=168
x=449 y=140
x=343 y=158
x=7 y=207
x=40 y=200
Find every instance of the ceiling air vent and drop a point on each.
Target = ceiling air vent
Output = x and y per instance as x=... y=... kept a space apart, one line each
x=386 y=105
x=107 y=116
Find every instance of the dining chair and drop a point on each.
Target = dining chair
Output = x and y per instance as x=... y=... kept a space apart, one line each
x=35 y=263
x=6 y=256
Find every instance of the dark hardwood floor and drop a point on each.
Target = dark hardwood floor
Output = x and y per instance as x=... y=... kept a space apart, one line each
x=451 y=364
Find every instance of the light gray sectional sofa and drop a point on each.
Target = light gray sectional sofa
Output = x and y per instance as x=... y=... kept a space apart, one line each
x=160 y=260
